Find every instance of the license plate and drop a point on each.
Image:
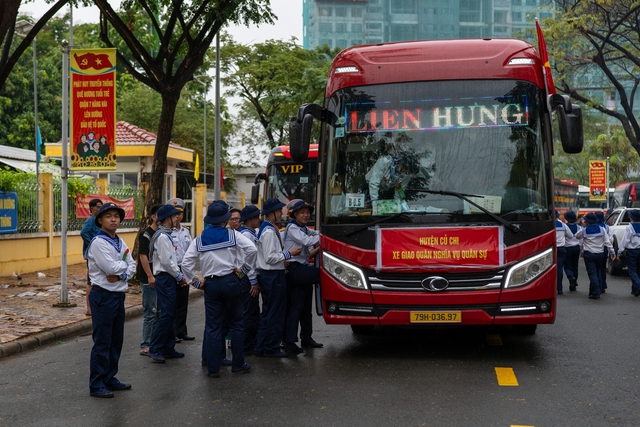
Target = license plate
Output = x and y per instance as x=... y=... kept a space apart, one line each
x=436 y=317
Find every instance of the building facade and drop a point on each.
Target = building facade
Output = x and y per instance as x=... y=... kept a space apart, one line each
x=344 y=23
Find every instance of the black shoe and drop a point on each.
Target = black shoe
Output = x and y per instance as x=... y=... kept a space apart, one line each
x=636 y=293
x=178 y=340
x=213 y=374
x=187 y=338
x=173 y=355
x=594 y=296
x=572 y=285
x=292 y=348
x=118 y=386
x=103 y=392
x=559 y=292
x=310 y=342
x=226 y=362
x=242 y=370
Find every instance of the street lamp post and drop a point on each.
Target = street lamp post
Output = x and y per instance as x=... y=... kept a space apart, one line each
x=22 y=28
x=204 y=145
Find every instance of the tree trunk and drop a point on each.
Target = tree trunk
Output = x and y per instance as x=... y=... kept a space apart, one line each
x=159 y=166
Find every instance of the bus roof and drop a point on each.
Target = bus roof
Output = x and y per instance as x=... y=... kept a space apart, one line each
x=282 y=152
x=426 y=60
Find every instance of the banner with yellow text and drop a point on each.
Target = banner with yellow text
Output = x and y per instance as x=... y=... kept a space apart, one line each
x=93 y=109
x=443 y=246
x=597 y=180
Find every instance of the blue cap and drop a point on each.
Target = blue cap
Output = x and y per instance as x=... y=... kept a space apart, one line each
x=165 y=212
x=108 y=207
x=600 y=216
x=570 y=216
x=300 y=205
x=272 y=204
x=634 y=214
x=248 y=212
x=218 y=212
x=591 y=218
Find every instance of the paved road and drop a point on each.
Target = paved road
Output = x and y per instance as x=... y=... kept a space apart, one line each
x=582 y=371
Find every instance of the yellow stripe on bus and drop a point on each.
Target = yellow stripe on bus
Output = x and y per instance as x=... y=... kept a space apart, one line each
x=506 y=377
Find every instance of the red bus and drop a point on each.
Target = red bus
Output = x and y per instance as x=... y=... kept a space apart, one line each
x=565 y=196
x=466 y=235
x=287 y=179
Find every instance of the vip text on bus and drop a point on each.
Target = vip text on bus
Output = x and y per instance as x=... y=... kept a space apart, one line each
x=435 y=197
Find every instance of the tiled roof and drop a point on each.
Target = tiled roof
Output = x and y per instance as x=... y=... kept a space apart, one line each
x=128 y=134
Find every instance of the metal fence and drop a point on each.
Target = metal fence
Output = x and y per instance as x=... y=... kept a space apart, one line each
x=123 y=193
x=28 y=206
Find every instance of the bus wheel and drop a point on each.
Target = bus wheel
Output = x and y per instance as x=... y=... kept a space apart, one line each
x=362 y=329
x=526 y=329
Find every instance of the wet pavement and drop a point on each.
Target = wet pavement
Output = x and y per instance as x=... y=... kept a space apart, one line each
x=29 y=317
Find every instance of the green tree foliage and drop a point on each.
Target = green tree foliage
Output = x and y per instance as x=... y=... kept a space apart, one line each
x=273 y=79
x=16 y=96
x=595 y=47
x=141 y=106
x=184 y=32
x=11 y=45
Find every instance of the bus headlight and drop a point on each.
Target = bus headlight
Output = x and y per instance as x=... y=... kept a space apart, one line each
x=343 y=272
x=528 y=270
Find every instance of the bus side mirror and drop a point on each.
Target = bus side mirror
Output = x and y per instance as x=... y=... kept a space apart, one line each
x=259 y=178
x=300 y=129
x=569 y=122
x=300 y=137
x=255 y=194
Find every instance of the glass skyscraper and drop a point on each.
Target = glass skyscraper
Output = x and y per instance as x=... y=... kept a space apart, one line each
x=344 y=23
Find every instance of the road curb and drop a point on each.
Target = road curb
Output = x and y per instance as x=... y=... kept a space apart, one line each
x=74 y=329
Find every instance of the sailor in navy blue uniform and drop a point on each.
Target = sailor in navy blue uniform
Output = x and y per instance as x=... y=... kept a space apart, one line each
x=250 y=219
x=110 y=266
x=631 y=242
x=605 y=254
x=224 y=257
x=168 y=278
x=301 y=277
x=272 y=280
x=572 y=246
x=562 y=233
x=594 y=241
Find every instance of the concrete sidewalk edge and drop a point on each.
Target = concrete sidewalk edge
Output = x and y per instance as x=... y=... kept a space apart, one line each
x=74 y=329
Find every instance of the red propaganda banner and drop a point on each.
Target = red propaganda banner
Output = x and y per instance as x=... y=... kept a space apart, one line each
x=93 y=109
x=597 y=180
x=83 y=211
x=455 y=247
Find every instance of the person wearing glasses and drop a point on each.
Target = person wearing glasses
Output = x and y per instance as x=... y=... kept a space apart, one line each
x=234 y=221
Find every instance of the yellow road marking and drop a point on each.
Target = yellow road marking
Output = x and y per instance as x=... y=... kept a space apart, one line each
x=506 y=377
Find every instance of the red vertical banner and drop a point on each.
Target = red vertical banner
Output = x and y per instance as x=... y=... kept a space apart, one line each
x=597 y=180
x=93 y=109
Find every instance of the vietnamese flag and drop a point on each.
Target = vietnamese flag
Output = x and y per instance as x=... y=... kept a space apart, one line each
x=544 y=57
x=92 y=60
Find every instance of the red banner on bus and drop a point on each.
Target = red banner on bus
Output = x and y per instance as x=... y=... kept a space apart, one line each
x=83 y=211
x=444 y=246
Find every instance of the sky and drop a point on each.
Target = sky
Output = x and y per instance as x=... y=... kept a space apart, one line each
x=288 y=24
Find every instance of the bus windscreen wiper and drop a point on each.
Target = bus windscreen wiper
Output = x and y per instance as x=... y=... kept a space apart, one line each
x=466 y=198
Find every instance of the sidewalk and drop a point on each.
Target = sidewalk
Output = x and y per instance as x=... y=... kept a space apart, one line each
x=29 y=319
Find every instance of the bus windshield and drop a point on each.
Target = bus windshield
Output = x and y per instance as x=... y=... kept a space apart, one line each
x=395 y=146
x=288 y=180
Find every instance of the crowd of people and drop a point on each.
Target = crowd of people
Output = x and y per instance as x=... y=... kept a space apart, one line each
x=589 y=237
x=237 y=259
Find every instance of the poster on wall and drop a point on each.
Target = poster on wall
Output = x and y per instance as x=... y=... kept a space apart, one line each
x=93 y=109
